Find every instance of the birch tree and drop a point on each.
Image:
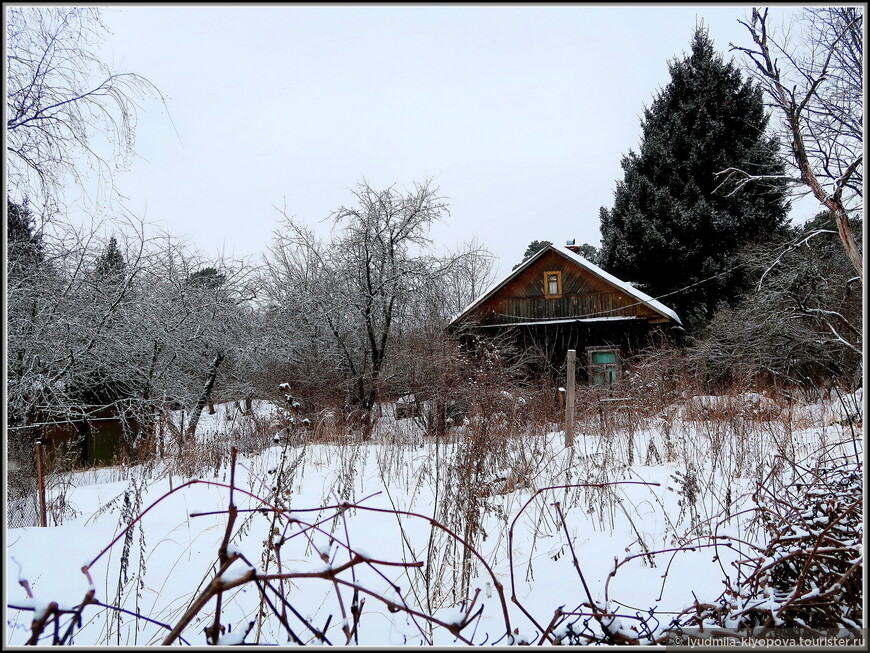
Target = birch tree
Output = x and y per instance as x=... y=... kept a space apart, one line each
x=67 y=113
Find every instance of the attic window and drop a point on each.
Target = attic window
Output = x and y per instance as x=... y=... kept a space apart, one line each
x=553 y=284
x=603 y=365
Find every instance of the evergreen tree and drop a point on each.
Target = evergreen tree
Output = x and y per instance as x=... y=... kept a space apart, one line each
x=534 y=247
x=672 y=224
x=24 y=247
x=111 y=264
x=99 y=383
x=208 y=277
x=589 y=252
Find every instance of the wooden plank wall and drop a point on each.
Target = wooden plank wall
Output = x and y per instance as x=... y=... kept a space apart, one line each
x=583 y=294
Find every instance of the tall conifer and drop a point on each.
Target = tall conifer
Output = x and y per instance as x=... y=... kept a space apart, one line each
x=671 y=224
x=111 y=264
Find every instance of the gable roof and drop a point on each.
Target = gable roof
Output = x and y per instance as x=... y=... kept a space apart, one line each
x=589 y=267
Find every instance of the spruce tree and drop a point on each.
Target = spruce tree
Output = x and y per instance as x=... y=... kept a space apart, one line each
x=24 y=248
x=111 y=265
x=672 y=225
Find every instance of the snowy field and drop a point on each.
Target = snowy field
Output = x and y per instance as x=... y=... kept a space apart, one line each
x=359 y=542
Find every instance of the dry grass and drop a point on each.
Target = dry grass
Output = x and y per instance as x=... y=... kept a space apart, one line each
x=721 y=451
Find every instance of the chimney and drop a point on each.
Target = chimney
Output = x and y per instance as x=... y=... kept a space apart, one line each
x=574 y=248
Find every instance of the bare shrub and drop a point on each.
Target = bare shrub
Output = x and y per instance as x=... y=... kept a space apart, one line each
x=65 y=459
x=809 y=575
x=800 y=329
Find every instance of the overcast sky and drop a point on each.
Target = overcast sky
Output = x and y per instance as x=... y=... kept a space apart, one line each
x=520 y=114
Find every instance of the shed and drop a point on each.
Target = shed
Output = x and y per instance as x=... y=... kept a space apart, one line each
x=557 y=300
x=94 y=434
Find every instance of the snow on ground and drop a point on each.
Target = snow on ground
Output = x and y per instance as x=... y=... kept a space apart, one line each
x=669 y=495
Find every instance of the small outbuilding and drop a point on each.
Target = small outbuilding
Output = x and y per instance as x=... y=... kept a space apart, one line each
x=557 y=300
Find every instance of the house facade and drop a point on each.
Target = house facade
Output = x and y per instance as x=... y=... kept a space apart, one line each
x=557 y=300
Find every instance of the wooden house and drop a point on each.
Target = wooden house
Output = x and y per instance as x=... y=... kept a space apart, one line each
x=557 y=300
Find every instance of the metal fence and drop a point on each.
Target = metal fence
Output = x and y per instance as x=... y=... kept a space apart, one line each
x=23 y=510
x=22 y=487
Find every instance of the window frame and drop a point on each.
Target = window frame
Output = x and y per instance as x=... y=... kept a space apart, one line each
x=547 y=275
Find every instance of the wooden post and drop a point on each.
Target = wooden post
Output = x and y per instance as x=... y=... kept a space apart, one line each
x=569 y=399
x=40 y=475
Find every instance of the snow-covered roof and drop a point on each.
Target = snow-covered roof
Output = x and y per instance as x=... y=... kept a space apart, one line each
x=625 y=287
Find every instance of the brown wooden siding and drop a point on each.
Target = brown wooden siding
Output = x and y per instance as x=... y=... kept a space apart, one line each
x=598 y=304
x=583 y=294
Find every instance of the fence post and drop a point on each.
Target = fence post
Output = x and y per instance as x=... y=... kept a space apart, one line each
x=40 y=475
x=569 y=399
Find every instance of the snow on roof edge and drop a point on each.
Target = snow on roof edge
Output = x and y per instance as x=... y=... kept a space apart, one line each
x=564 y=320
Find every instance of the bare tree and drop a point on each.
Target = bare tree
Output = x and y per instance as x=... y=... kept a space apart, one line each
x=818 y=92
x=350 y=300
x=66 y=110
x=472 y=271
x=801 y=327
x=312 y=334
x=62 y=319
x=194 y=329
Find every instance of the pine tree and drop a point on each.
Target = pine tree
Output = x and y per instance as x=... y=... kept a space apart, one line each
x=672 y=225
x=589 y=252
x=208 y=277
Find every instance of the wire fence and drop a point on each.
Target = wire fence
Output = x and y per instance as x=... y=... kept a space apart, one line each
x=23 y=511
x=22 y=489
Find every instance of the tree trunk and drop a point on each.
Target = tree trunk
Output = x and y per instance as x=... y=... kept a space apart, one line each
x=368 y=407
x=832 y=202
x=205 y=395
x=439 y=416
x=792 y=110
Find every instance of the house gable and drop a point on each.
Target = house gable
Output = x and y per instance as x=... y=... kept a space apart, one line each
x=586 y=293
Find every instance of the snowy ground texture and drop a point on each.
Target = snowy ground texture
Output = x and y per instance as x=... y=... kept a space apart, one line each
x=359 y=542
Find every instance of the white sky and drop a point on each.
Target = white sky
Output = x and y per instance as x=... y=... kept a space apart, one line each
x=520 y=113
